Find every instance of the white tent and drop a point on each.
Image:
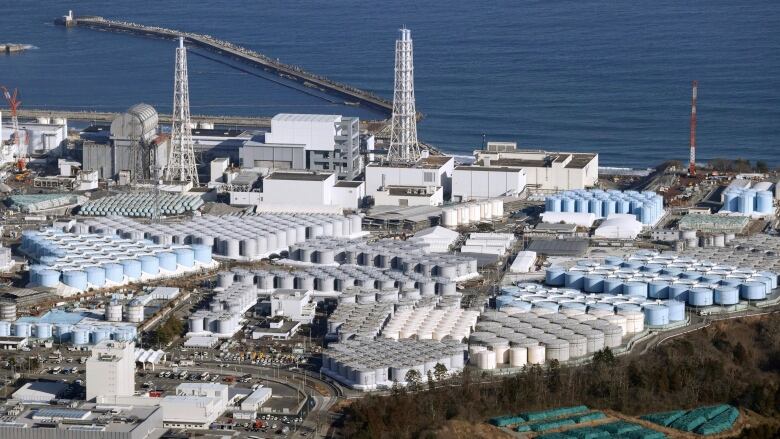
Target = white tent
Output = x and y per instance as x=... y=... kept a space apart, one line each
x=438 y=238
x=578 y=218
x=619 y=226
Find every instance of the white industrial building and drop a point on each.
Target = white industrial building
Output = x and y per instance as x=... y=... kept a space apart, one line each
x=619 y=226
x=256 y=399
x=314 y=142
x=579 y=218
x=484 y=182
x=42 y=136
x=195 y=405
x=425 y=182
x=438 y=239
x=293 y=304
x=111 y=370
x=550 y=171
x=39 y=392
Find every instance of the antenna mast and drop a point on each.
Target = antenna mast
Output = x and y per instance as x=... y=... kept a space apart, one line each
x=181 y=160
x=404 y=147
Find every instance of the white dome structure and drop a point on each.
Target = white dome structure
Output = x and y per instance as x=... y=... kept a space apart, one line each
x=619 y=226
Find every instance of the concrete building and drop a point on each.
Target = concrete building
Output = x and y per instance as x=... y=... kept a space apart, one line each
x=111 y=370
x=293 y=304
x=300 y=191
x=256 y=399
x=41 y=136
x=195 y=405
x=404 y=196
x=314 y=142
x=40 y=391
x=277 y=328
x=134 y=146
x=427 y=177
x=88 y=421
x=483 y=182
x=552 y=171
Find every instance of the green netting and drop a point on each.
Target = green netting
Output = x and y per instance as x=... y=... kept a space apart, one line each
x=641 y=433
x=554 y=436
x=553 y=413
x=619 y=427
x=664 y=418
x=523 y=427
x=588 y=417
x=503 y=421
x=551 y=425
x=719 y=423
x=588 y=433
x=689 y=422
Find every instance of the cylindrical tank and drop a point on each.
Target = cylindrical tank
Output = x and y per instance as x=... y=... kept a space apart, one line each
x=114 y=272
x=22 y=329
x=167 y=261
x=557 y=349
x=594 y=283
x=536 y=354
x=114 y=311
x=726 y=295
x=574 y=279
x=96 y=276
x=43 y=330
x=49 y=278
x=518 y=357
x=635 y=289
x=752 y=291
x=132 y=268
x=555 y=276
x=100 y=334
x=81 y=335
x=676 y=310
x=656 y=315
x=8 y=311
x=75 y=279
x=202 y=253
x=150 y=264
x=134 y=312
x=700 y=296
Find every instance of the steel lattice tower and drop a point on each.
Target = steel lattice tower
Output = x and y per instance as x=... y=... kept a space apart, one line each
x=181 y=160
x=403 y=134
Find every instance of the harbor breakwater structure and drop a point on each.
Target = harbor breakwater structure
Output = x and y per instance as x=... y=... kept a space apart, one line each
x=352 y=95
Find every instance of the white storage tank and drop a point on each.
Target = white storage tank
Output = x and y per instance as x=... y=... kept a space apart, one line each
x=114 y=311
x=135 y=312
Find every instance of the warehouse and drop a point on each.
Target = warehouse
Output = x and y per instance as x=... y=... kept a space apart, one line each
x=549 y=171
x=42 y=136
x=195 y=405
x=483 y=182
x=430 y=177
x=40 y=391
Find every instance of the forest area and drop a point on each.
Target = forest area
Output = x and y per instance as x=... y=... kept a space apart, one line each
x=735 y=362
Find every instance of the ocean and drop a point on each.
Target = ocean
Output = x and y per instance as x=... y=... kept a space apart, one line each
x=586 y=75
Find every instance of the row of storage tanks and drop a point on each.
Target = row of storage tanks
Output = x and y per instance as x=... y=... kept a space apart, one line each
x=80 y=334
x=646 y=206
x=514 y=340
x=142 y=205
x=386 y=254
x=332 y=279
x=224 y=312
x=746 y=199
x=240 y=237
x=430 y=322
x=745 y=253
x=530 y=297
x=471 y=213
x=359 y=320
x=400 y=296
x=83 y=261
x=133 y=311
x=666 y=276
x=366 y=364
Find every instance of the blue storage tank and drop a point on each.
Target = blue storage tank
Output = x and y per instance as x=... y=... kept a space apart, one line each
x=568 y=205
x=132 y=268
x=622 y=206
x=612 y=286
x=730 y=200
x=753 y=290
x=185 y=257
x=43 y=330
x=125 y=333
x=518 y=304
x=764 y=280
x=652 y=268
x=610 y=207
x=594 y=283
x=763 y=203
x=658 y=289
x=5 y=328
x=96 y=276
x=75 y=278
x=730 y=282
x=581 y=205
x=503 y=300
x=547 y=305
x=613 y=261
x=80 y=335
x=726 y=295
x=656 y=315
x=555 y=276
x=62 y=332
x=150 y=264
x=114 y=272
x=49 y=278
x=671 y=271
x=595 y=206
x=745 y=202
x=574 y=305
x=690 y=275
x=167 y=261
x=635 y=289
x=100 y=334
x=700 y=296
x=22 y=329
x=552 y=204
x=202 y=253
x=574 y=279
x=676 y=310
x=710 y=279
x=771 y=276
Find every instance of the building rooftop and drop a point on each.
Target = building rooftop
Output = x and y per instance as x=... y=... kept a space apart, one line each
x=559 y=247
x=288 y=117
x=409 y=191
x=298 y=176
x=344 y=183
x=430 y=162
x=578 y=160
x=490 y=168
x=218 y=132
x=88 y=417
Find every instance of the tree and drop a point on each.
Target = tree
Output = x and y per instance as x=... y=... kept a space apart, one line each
x=440 y=371
x=761 y=166
x=413 y=379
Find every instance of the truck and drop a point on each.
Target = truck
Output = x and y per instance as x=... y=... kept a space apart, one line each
x=186 y=363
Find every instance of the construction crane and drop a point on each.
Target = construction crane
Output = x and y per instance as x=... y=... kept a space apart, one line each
x=692 y=164
x=15 y=142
